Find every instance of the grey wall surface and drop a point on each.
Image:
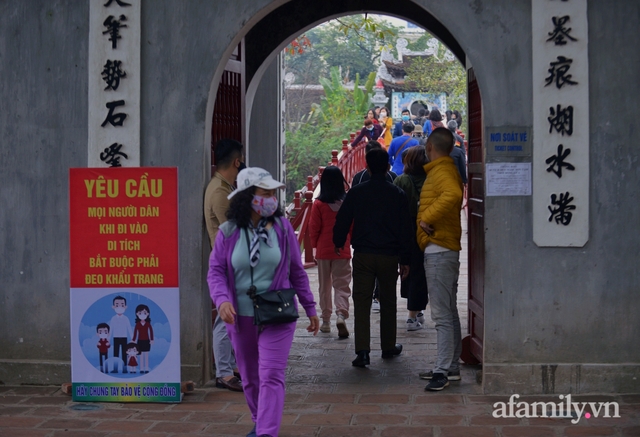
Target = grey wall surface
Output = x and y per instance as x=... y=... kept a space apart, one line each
x=573 y=305
x=264 y=127
x=43 y=132
x=575 y=308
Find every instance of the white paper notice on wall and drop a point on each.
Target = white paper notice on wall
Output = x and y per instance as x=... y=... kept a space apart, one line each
x=508 y=179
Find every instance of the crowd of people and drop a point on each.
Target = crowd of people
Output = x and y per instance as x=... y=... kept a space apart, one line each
x=409 y=131
x=418 y=175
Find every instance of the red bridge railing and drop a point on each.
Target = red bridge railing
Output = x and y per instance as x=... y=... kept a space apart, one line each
x=350 y=161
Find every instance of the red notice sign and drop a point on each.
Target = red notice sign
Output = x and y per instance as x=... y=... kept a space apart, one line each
x=123 y=227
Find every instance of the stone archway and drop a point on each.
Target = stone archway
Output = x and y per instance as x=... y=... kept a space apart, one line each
x=271 y=34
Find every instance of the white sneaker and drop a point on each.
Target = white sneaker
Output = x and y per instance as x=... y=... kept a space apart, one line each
x=325 y=327
x=420 y=317
x=375 y=306
x=413 y=325
x=343 y=332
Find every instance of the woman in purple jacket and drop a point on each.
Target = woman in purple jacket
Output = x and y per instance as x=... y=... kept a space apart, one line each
x=370 y=131
x=257 y=246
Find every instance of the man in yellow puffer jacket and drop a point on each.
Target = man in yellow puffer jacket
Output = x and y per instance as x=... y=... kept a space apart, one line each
x=438 y=235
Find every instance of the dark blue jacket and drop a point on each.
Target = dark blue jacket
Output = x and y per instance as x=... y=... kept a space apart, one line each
x=459 y=158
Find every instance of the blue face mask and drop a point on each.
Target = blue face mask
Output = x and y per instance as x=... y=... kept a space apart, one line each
x=369 y=128
x=405 y=118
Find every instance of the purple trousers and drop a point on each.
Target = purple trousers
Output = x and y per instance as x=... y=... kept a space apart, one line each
x=261 y=356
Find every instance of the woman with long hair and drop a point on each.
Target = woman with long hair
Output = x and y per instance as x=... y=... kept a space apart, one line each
x=256 y=253
x=387 y=125
x=143 y=336
x=414 y=288
x=458 y=118
x=372 y=115
x=333 y=270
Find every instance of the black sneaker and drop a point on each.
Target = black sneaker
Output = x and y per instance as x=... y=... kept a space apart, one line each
x=437 y=383
x=451 y=376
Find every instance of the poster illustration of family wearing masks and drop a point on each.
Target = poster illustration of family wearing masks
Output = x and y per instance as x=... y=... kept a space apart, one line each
x=124 y=337
x=128 y=339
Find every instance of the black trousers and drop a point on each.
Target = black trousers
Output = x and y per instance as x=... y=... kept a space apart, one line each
x=414 y=288
x=120 y=343
x=367 y=268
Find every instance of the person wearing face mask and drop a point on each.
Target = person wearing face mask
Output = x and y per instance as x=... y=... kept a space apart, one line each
x=406 y=118
x=386 y=122
x=370 y=131
x=143 y=336
x=256 y=248
x=120 y=331
x=229 y=158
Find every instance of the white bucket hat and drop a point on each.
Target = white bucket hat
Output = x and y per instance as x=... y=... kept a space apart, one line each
x=255 y=177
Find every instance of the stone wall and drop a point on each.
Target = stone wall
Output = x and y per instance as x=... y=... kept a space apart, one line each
x=574 y=308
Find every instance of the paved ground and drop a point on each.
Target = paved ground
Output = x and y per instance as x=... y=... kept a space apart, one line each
x=326 y=397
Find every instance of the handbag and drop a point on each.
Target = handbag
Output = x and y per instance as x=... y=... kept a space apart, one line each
x=272 y=307
x=401 y=147
x=381 y=139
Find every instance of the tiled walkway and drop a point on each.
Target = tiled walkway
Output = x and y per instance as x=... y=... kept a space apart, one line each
x=326 y=397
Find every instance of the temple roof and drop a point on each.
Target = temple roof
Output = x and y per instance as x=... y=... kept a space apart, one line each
x=399 y=86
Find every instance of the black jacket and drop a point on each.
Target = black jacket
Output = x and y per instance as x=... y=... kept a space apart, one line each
x=364 y=176
x=379 y=212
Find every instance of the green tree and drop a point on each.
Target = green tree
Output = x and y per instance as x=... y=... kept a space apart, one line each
x=339 y=113
x=340 y=103
x=309 y=66
x=439 y=73
x=352 y=43
x=333 y=54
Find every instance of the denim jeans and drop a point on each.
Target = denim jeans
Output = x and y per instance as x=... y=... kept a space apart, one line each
x=442 y=270
x=222 y=351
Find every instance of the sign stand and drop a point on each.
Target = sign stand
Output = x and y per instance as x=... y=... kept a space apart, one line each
x=125 y=300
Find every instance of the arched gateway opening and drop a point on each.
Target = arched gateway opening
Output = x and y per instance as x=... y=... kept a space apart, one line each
x=236 y=82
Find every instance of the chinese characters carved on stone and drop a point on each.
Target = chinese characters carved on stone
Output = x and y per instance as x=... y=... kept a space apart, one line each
x=563 y=206
x=559 y=161
x=113 y=29
x=560 y=34
x=112 y=154
x=558 y=72
x=561 y=119
x=112 y=74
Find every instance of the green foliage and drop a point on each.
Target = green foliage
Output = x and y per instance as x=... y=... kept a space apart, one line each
x=340 y=112
x=440 y=73
x=310 y=147
x=340 y=103
x=335 y=103
x=353 y=43
x=360 y=97
x=309 y=66
x=420 y=44
x=364 y=28
x=337 y=52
